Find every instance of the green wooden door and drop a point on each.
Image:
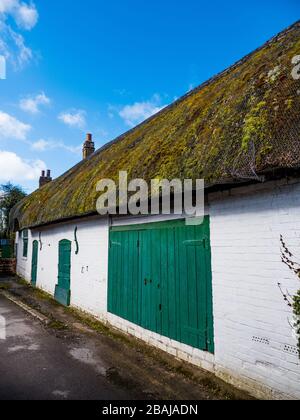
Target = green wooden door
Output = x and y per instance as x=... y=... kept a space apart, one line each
x=34 y=262
x=63 y=288
x=160 y=279
x=150 y=280
x=192 y=286
x=5 y=249
x=124 y=252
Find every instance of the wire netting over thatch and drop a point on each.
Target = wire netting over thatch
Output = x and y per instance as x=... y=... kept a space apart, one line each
x=239 y=124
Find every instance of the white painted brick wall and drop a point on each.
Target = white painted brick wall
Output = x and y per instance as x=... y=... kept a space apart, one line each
x=246 y=225
x=24 y=264
x=181 y=351
x=88 y=269
x=246 y=265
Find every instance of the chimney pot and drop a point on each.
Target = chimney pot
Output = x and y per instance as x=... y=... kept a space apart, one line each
x=88 y=146
x=45 y=178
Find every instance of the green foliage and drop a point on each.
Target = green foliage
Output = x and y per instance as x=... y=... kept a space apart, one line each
x=296 y=307
x=10 y=195
x=255 y=122
x=292 y=302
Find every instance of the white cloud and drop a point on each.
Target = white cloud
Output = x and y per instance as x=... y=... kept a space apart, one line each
x=24 y=16
x=7 y=6
x=10 y=127
x=47 y=145
x=13 y=48
x=32 y=104
x=23 y=54
x=16 y=169
x=75 y=118
x=41 y=145
x=140 y=111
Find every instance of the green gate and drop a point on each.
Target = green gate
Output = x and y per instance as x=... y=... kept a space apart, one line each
x=34 y=262
x=160 y=279
x=63 y=288
x=6 y=249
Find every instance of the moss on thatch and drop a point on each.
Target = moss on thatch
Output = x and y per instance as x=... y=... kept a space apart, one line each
x=247 y=117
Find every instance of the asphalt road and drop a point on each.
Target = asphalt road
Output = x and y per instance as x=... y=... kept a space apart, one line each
x=37 y=364
x=70 y=359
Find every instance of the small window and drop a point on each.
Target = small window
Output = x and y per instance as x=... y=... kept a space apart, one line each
x=25 y=243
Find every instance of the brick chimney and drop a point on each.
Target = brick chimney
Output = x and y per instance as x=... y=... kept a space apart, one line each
x=45 y=178
x=88 y=146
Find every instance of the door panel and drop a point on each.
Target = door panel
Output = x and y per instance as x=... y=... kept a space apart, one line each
x=150 y=279
x=123 y=284
x=160 y=279
x=63 y=288
x=145 y=278
x=192 y=282
x=34 y=262
x=169 y=284
x=156 y=305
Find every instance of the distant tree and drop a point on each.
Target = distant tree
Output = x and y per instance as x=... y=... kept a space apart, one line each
x=10 y=195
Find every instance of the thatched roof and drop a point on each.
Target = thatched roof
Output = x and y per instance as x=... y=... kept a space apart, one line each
x=237 y=125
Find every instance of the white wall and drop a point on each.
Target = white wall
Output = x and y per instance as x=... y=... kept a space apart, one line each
x=24 y=264
x=254 y=345
x=253 y=338
x=88 y=269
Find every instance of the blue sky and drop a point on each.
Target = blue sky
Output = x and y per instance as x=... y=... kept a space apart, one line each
x=102 y=67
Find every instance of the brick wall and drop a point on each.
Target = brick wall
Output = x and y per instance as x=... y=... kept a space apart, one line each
x=253 y=338
x=255 y=348
x=88 y=267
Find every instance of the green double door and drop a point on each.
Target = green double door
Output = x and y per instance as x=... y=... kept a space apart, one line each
x=160 y=279
x=34 y=262
x=63 y=288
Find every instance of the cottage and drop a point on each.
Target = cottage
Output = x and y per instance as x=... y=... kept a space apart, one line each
x=208 y=294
